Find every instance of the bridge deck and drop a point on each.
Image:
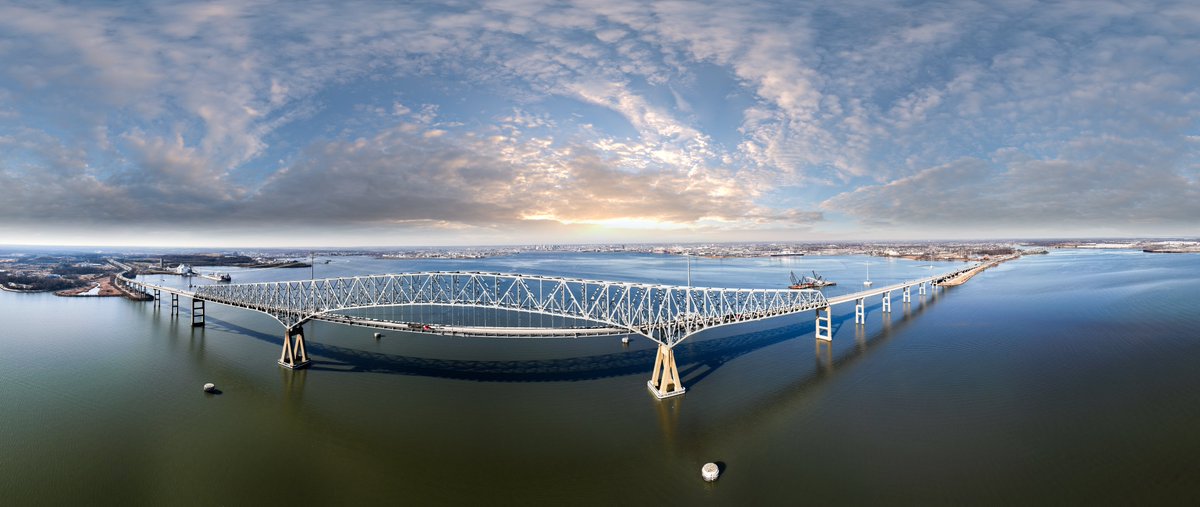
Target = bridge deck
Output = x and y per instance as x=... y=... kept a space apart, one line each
x=878 y=291
x=474 y=331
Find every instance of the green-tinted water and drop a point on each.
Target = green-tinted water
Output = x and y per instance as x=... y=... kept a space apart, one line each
x=1063 y=378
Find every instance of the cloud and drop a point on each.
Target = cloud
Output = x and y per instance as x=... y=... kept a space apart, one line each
x=690 y=115
x=1121 y=187
x=43 y=177
x=403 y=177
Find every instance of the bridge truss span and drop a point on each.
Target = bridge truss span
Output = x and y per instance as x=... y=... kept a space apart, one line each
x=666 y=314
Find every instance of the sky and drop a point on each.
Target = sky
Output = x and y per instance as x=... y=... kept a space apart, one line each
x=297 y=123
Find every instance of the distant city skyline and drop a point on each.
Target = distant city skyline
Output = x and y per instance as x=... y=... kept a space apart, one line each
x=235 y=124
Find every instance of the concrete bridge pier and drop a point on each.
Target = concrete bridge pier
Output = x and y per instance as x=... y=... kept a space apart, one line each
x=664 y=382
x=824 y=324
x=174 y=304
x=887 y=302
x=860 y=311
x=294 y=356
x=907 y=295
x=197 y=312
x=921 y=289
x=157 y=298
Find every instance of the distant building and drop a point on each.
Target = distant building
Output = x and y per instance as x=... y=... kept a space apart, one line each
x=184 y=269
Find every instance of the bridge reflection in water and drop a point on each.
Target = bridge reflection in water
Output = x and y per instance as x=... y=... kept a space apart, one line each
x=667 y=315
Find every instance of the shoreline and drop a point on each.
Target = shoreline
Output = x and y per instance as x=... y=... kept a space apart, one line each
x=21 y=291
x=105 y=287
x=1170 y=250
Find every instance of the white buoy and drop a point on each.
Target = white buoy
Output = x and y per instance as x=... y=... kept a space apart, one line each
x=710 y=471
x=378 y=335
x=625 y=340
x=210 y=387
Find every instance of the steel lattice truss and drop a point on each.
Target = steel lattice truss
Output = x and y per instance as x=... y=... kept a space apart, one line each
x=666 y=314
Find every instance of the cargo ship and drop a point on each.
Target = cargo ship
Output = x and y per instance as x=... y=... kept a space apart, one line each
x=217 y=277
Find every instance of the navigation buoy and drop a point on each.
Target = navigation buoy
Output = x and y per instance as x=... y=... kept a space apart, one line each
x=378 y=335
x=210 y=387
x=710 y=471
x=625 y=340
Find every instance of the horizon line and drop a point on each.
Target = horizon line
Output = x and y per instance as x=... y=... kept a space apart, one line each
x=611 y=243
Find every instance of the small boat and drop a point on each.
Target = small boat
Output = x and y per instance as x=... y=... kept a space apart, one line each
x=867 y=283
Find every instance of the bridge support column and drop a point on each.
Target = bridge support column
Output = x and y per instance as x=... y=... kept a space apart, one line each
x=921 y=289
x=907 y=295
x=157 y=298
x=824 y=324
x=294 y=356
x=197 y=312
x=860 y=314
x=887 y=302
x=174 y=304
x=664 y=382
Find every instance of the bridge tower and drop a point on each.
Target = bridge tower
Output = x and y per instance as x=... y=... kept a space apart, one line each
x=664 y=382
x=294 y=355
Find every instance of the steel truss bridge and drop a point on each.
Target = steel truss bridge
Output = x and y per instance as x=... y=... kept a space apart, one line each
x=665 y=314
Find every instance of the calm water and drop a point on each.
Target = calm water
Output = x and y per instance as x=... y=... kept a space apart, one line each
x=1072 y=377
